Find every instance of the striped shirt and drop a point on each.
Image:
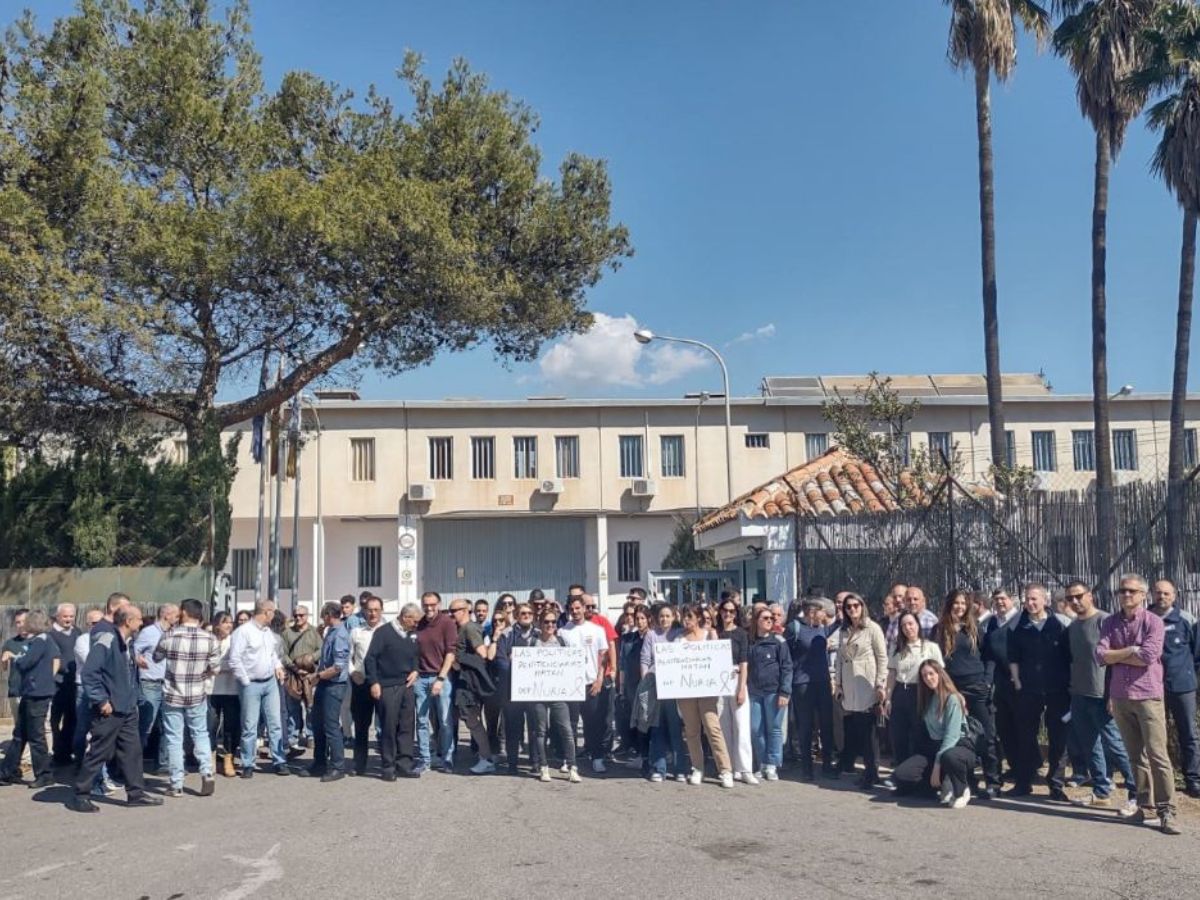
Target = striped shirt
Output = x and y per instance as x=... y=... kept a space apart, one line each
x=191 y=656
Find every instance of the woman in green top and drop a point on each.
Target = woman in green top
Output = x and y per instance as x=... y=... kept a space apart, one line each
x=940 y=761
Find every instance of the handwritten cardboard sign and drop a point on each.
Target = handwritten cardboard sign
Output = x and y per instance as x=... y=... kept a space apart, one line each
x=548 y=674
x=684 y=669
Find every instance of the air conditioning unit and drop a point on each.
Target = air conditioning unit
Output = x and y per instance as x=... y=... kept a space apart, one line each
x=422 y=490
x=551 y=486
x=644 y=487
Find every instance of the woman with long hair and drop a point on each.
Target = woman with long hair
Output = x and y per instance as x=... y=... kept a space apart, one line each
x=667 y=735
x=493 y=706
x=734 y=711
x=224 y=707
x=631 y=634
x=700 y=713
x=961 y=642
x=943 y=761
x=553 y=714
x=769 y=676
x=860 y=683
x=908 y=652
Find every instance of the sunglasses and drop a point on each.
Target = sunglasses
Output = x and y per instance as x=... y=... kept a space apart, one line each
x=549 y=622
x=301 y=615
x=1074 y=597
x=853 y=606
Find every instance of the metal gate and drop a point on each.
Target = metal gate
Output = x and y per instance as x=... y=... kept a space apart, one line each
x=483 y=558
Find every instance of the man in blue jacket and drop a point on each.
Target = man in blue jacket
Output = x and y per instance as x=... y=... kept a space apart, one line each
x=1181 y=649
x=812 y=692
x=110 y=686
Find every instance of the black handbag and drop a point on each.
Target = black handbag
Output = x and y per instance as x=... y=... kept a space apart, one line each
x=973 y=735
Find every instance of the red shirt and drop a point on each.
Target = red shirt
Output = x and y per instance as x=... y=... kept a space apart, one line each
x=434 y=640
x=609 y=632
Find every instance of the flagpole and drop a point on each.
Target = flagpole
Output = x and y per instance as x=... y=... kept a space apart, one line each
x=277 y=440
x=294 y=468
x=257 y=447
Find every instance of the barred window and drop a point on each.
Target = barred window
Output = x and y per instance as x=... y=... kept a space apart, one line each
x=1083 y=449
x=672 y=455
x=287 y=559
x=566 y=456
x=1045 y=456
x=525 y=457
x=629 y=561
x=362 y=459
x=483 y=457
x=243 y=563
x=905 y=448
x=370 y=566
x=940 y=443
x=815 y=445
x=631 y=456
x=1125 y=449
x=758 y=440
x=441 y=459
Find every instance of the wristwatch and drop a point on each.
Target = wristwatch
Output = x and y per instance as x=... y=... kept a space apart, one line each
x=440 y=678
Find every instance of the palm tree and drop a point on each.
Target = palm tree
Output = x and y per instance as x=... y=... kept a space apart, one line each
x=1100 y=40
x=1172 y=71
x=983 y=38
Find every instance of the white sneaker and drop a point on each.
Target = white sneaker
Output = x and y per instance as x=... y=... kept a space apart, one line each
x=947 y=794
x=656 y=778
x=483 y=767
x=1129 y=808
x=726 y=779
x=770 y=773
x=696 y=777
x=573 y=775
x=564 y=768
x=598 y=766
x=545 y=774
x=110 y=787
x=747 y=778
x=961 y=801
x=681 y=778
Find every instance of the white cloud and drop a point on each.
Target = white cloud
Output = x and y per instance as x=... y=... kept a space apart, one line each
x=608 y=356
x=764 y=333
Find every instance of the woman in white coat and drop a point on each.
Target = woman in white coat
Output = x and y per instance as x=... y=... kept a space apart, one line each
x=860 y=685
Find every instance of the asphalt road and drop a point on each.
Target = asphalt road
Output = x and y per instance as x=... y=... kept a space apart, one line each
x=497 y=836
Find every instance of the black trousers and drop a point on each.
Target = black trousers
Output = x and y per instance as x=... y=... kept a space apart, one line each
x=596 y=714
x=1032 y=707
x=398 y=715
x=520 y=719
x=362 y=711
x=493 y=717
x=113 y=737
x=29 y=727
x=812 y=708
x=225 y=721
x=62 y=721
x=558 y=717
x=980 y=706
x=904 y=723
x=860 y=741
x=1182 y=707
x=1004 y=699
x=912 y=775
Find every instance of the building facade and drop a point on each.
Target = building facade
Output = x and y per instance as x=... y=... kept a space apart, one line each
x=474 y=498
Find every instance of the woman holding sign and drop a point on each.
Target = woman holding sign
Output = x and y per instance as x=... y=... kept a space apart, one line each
x=701 y=712
x=735 y=710
x=861 y=679
x=554 y=714
x=667 y=734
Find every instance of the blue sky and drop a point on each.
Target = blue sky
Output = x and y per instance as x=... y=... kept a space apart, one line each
x=801 y=176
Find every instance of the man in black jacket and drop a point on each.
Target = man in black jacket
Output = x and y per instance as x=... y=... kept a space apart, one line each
x=999 y=626
x=111 y=689
x=390 y=668
x=1181 y=650
x=1039 y=660
x=62 y=708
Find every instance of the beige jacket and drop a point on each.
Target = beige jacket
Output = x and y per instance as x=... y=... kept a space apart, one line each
x=861 y=667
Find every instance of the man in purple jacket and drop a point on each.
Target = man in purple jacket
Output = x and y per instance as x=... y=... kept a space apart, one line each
x=1131 y=645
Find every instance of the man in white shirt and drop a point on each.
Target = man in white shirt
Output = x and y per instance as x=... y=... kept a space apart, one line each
x=254 y=661
x=362 y=707
x=914 y=600
x=578 y=632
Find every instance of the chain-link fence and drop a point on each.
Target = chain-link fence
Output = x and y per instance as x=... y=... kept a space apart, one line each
x=980 y=543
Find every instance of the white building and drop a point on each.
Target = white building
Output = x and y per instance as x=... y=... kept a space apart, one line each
x=514 y=495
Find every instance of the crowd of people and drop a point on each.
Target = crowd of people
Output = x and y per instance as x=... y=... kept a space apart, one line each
x=949 y=699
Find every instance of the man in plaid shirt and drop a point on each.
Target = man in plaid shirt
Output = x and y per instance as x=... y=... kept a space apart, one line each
x=192 y=656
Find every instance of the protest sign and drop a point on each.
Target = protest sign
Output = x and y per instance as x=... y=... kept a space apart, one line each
x=548 y=674
x=685 y=669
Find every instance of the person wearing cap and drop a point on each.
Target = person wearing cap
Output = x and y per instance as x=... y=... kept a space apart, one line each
x=812 y=691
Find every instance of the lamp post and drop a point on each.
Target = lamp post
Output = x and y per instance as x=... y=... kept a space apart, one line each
x=645 y=336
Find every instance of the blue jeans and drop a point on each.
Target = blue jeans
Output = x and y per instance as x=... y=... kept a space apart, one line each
x=425 y=699
x=1097 y=736
x=299 y=725
x=766 y=729
x=668 y=734
x=261 y=698
x=150 y=701
x=195 y=718
x=329 y=743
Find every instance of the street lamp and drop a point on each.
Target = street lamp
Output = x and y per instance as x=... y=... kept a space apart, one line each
x=645 y=336
x=1125 y=391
